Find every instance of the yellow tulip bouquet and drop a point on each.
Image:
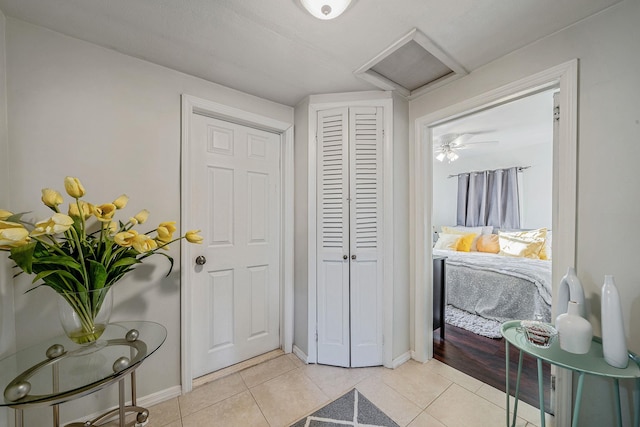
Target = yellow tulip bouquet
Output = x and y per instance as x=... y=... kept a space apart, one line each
x=83 y=251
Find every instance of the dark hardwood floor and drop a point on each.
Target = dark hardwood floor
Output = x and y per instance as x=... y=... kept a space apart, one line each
x=484 y=359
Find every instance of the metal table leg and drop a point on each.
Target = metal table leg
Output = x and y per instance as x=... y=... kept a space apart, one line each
x=517 y=391
x=506 y=344
x=636 y=423
x=56 y=381
x=576 y=409
x=517 y=394
x=616 y=386
x=19 y=419
x=541 y=393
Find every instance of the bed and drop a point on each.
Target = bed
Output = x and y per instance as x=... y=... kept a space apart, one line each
x=497 y=286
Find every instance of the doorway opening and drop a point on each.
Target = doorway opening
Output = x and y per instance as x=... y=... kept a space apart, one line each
x=485 y=284
x=564 y=77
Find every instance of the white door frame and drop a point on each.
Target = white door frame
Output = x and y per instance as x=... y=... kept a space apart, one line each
x=190 y=105
x=323 y=102
x=564 y=76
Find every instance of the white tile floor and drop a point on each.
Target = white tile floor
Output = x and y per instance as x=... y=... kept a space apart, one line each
x=280 y=391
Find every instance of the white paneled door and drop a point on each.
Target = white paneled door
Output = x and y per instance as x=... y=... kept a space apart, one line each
x=349 y=272
x=235 y=173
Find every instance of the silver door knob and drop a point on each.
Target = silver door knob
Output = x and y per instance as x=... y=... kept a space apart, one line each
x=353 y=256
x=345 y=256
x=201 y=260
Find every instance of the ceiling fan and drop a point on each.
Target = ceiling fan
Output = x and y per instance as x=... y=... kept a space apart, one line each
x=448 y=144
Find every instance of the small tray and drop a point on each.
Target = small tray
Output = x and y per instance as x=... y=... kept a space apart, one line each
x=538 y=334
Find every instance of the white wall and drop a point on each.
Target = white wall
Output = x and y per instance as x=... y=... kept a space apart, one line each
x=401 y=288
x=7 y=332
x=7 y=328
x=609 y=123
x=536 y=183
x=301 y=240
x=113 y=121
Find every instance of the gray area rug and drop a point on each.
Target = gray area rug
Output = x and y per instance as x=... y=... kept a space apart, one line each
x=351 y=409
x=471 y=322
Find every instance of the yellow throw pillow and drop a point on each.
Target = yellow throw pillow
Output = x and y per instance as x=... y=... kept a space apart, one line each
x=464 y=242
x=447 y=241
x=459 y=229
x=525 y=244
x=488 y=243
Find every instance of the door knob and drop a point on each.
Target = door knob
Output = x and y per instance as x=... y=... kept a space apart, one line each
x=345 y=256
x=353 y=256
x=201 y=260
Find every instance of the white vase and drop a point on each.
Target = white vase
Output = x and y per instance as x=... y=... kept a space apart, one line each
x=574 y=331
x=570 y=290
x=614 y=344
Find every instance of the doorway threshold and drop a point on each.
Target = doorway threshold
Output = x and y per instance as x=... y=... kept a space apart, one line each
x=236 y=368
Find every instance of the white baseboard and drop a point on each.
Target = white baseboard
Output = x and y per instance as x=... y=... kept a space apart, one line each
x=401 y=359
x=301 y=354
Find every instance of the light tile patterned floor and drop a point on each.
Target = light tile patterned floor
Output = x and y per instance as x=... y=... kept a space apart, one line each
x=280 y=391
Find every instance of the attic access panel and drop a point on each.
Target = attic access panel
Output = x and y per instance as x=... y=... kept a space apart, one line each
x=411 y=66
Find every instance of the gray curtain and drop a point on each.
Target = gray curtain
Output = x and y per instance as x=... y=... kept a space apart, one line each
x=489 y=198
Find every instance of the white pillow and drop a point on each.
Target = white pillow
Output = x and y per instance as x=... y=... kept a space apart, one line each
x=447 y=241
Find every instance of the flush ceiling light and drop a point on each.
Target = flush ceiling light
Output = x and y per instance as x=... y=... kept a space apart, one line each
x=325 y=9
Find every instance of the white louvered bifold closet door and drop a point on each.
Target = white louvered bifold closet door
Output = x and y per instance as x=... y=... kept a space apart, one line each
x=365 y=143
x=349 y=224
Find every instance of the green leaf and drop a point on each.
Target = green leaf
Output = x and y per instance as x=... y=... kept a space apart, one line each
x=170 y=260
x=97 y=275
x=60 y=260
x=125 y=261
x=61 y=279
x=23 y=256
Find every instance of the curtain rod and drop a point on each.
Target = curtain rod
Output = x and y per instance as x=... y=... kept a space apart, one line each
x=520 y=169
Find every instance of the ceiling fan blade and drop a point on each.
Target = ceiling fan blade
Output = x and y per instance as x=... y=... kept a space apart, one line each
x=472 y=143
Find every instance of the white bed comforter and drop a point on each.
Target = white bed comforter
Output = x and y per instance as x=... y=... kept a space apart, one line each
x=535 y=270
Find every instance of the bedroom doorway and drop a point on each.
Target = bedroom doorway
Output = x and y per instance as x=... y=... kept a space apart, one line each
x=563 y=76
x=510 y=144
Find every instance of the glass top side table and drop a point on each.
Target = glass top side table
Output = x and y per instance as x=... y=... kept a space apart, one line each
x=58 y=370
x=592 y=363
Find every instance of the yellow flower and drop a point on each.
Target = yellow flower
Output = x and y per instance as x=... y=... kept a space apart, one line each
x=58 y=223
x=86 y=209
x=4 y=214
x=51 y=197
x=192 y=236
x=7 y=224
x=166 y=230
x=12 y=237
x=112 y=227
x=104 y=212
x=162 y=245
x=121 y=201
x=141 y=216
x=74 y=187
x=125 y=238
x=143 y=243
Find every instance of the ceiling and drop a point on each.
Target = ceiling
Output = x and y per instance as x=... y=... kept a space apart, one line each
x=524 y=122
x=276 y=50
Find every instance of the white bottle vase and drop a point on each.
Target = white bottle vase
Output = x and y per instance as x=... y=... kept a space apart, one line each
x=574 y=331
x=614 y=345
x=570 y=290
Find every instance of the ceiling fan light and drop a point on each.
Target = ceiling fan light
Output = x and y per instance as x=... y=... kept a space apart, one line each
x=440 y=157
x=325 y=9
x=453 y=156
